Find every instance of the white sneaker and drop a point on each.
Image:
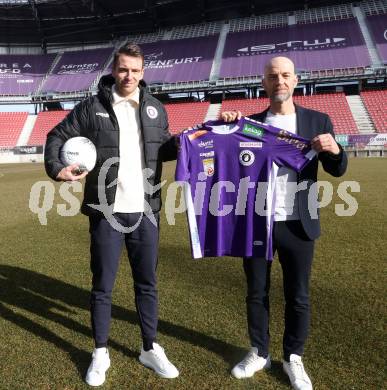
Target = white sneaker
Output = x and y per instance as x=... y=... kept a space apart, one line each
x=296 y=372
x=100 y=362
x=157 y=360
x=250 y=364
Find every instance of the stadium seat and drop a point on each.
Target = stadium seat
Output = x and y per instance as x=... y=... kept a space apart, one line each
x=62 y=79
x=321 y=62
x=183 y=115
x=342 y=119
x=376 y=105
x=11 y=125
x=45 y=121
x=246 y=106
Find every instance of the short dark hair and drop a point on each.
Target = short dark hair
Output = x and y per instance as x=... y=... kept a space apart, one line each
x=129 y=49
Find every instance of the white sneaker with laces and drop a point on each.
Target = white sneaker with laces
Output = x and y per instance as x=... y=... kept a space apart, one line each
x=250 y=364
x=100 y=362
x=157 y=360
x=296 y=372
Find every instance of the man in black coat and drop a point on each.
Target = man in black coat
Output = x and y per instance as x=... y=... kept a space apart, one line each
x=129 y=128
x=296 y=227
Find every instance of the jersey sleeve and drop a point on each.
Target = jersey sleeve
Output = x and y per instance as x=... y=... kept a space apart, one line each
x=182 y=172
x=291 y=150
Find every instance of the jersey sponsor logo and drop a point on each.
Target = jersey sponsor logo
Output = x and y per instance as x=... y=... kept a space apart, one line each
x=197 y=134
x=103 y=114
x=152 y=112
x=285 y=136
x=257 y=243
x=250 y=144
x=246 y=157
x=206 y=144
x=208 y=154
x=253 y=131
x=208 y=166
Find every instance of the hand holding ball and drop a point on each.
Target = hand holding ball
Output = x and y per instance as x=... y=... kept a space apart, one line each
x=80 y=151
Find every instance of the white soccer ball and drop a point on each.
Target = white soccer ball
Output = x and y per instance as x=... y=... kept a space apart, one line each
x=81 y=151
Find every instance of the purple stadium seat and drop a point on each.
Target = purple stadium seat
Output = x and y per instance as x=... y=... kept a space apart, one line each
x=313 y=47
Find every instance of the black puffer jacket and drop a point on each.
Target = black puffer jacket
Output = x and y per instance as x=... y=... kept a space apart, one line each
x=94 y=118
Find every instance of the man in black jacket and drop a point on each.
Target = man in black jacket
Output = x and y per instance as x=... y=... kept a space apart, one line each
x=122 y=198
x=296 y=227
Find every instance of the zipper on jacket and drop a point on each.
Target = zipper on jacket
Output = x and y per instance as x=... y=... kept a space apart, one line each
x=142 y=129
x=114 y=120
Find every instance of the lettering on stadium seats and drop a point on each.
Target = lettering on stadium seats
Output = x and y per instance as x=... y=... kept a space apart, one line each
x=78 y=68
x=7 y=70
x=13 y=68
x=292 y=45
x=170 y=62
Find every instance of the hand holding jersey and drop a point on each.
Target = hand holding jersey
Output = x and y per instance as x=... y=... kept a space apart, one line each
x=325 y=143
x=231 y=171
x=321 y=143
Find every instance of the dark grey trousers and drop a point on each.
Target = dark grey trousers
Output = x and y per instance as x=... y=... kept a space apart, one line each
x=295 y=253
x=106 y=247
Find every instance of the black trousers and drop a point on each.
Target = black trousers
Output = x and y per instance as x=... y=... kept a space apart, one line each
x=142 y=247
x=295 y=253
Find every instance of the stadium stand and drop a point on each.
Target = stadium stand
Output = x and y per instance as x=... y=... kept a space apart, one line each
x=22 y=74
x=324 y=14
x=342 y=119
x=335 y=44
x=259 y=22
x=188 y=59
x=378 y=26
x=328 y=44
x=45 y=121
x=145 y=38
x=376 y=104
x=324 y=42
x=374 y=7
x=76 y=71
x=195 y=30
x=11 y=125
x=246 y=106
x=183 y=115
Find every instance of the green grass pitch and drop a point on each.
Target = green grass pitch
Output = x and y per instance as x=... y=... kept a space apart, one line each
x=45 y=338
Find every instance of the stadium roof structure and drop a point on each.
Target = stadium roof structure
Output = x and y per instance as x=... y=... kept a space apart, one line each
x=49 y=22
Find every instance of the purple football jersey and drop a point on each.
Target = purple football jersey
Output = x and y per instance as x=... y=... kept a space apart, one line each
x=229 y=170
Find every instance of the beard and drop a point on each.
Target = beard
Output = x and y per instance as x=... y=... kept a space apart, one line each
x=280 y=98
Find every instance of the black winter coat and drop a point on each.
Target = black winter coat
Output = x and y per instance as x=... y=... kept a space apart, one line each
x=95 y=119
